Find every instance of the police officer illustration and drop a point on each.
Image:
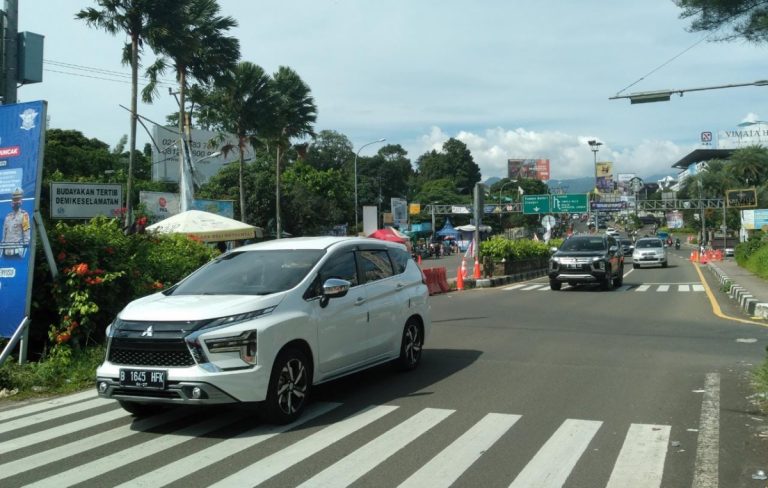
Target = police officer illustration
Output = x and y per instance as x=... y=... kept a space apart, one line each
x=16 y=229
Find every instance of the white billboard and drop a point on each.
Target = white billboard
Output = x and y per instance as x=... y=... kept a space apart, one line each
x=165 y=160
x=85 y=200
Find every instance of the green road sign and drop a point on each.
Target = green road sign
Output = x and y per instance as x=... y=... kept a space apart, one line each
x=535 y=204
x=576 y=203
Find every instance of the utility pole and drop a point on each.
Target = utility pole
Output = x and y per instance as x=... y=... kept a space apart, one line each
x=10 y=50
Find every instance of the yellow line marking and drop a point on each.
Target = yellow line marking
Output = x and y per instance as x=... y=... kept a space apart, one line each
x=716 y=306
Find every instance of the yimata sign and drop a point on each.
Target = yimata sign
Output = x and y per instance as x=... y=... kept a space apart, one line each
x=85 y=200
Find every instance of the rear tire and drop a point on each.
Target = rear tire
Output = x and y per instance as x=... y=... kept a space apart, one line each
x=555 y=285
x=411 y=346
x=664 y=264
x=635 y=266
x=289 y=387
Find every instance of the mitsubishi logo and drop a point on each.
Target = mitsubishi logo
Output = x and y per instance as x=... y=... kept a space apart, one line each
x=147 y=332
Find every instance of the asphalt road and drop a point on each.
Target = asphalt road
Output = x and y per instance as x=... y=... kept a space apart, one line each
x=519 y=386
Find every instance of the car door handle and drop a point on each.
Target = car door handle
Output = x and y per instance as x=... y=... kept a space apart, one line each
x=400 y=286
x=359 y=301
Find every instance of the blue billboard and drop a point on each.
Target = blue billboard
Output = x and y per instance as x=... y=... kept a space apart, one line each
x=22 y=129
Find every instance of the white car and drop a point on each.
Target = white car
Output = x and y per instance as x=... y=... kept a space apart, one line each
x=649 y=251
x=266 y=322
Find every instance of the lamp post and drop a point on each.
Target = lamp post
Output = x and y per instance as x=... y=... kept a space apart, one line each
x=356 y=156
x=595 y=147
x=665 y=95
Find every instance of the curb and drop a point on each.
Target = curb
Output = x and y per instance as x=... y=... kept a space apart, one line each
x=738 y=293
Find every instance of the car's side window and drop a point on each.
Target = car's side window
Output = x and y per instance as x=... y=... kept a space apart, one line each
x=341 y=266
x=399 y=259
x=375 y=265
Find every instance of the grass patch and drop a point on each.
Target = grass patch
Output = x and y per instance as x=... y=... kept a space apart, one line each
x=760 y=383
x=63 y=371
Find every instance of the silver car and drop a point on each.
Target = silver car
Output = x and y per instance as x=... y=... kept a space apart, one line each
x=649 y=251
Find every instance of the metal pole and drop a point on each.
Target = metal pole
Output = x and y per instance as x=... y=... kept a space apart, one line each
x=356 y=155
x=10 y=56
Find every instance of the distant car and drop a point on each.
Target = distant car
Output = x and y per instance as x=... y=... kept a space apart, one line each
x=627 y=246
x=649 y=251
x=587 y=259
x=266 y=322
x=729 y=251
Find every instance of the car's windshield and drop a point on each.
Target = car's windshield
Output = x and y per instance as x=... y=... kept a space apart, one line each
x=250 y=273
x=584 y=244
x=648 y=243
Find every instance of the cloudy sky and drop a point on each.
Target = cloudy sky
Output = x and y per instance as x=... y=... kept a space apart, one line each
x=510 y=78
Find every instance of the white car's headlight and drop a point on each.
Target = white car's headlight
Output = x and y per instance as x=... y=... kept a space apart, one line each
x=244 y=345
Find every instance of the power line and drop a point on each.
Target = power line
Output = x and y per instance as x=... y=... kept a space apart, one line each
x=161 y=83
x=89 y=69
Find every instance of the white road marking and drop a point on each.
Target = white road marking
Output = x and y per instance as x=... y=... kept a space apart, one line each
x=52 y=403
x=624 y=288
x=514 y=287
x=705 y=473
x=352 y=467
x=194 y=462
x=63 y=429
x=698 y=287
x=445 y=468
x=276 y=463
x=662 y=288
x=643 y=288
x=132 y=454
x=551 y=466
x=54 y=414
x=641 y=461
x=683 y=288
x=532 y=287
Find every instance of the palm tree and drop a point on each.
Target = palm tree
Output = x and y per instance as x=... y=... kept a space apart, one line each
x=195 y=45
x=750 y=165
x=295 y=115
x=242 y=104
x=138 y=19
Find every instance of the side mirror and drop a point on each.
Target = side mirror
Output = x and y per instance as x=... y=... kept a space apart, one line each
x=552 y=250
x=334 y=288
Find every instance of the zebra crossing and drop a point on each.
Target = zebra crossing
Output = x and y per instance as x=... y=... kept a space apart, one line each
x=644 y=287
x=73 y=454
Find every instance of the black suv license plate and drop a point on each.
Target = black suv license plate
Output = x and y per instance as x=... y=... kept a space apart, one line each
x=143 y=378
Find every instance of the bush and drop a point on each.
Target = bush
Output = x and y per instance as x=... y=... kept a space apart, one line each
x=499 y=247
x=744 y=250
x=64 y=370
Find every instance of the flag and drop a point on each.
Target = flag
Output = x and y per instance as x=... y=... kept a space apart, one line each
x=520 y=190
x=470 y=250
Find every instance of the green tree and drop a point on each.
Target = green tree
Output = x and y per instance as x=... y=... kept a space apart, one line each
x=196 y=46
x=454 y=162
x=295 y=115
x=316 y=200
x=384 y=176
x=330 y=150
x=138 y=19
x=750 y=165
x=735 y=19
x=243 y=105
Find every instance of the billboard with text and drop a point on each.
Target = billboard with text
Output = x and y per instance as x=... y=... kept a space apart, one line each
x=535 y=169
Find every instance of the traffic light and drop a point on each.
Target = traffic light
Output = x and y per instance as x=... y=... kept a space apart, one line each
x=741 y=198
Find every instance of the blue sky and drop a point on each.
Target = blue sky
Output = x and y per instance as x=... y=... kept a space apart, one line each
x=511 y=79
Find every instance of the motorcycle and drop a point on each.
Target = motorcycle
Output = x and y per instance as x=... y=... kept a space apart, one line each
x=677 y=244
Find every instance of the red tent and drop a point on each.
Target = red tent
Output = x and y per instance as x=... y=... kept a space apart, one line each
x=389 y=234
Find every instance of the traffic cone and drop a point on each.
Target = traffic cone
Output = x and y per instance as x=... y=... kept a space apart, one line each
x=460 y=278
x=418 y=260
x=463 y=270
x=476 y=272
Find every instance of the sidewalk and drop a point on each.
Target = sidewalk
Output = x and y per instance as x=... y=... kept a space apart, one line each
x=750 y=291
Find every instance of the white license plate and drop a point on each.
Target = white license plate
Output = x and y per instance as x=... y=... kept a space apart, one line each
x=143 y=378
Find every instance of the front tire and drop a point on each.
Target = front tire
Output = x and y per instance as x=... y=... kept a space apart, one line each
x=619 y=280
x=289 y=387
x=555 y=285
x=664 y=264
x=411 y=346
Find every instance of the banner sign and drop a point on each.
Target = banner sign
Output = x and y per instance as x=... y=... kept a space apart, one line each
x=608 y=206
x=754 y=219
x=536 y=169
x=399 y=212
x=85 y=200
x=161 y=205
x=604 y=175
x=22 y=131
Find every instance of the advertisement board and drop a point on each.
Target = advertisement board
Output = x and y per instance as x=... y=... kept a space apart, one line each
x=623 y=184
x=399 y=213
x=674 y=219
x=85 y=200
x=204 y=148
x=604 y=177
x=746 y=134
x=161 y=205
x=754 y=219
x=22 y=132
x=536 y=169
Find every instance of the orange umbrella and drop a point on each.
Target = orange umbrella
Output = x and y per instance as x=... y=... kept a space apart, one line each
x=389 y=234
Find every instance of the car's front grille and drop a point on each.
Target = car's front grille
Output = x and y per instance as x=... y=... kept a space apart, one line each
x=136 y=352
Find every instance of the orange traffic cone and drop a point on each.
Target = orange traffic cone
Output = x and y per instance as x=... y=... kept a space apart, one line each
x=476 y=272
x=463 y=270
x=418 y=260
x=460 y=278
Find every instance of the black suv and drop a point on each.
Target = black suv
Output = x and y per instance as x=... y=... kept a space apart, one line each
x=587 y=259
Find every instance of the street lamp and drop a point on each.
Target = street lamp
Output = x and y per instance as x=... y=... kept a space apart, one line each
x=665 y=95
x=356 y=155
x=594 y=146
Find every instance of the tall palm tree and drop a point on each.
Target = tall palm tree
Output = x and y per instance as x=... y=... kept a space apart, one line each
x=750 y=165
x=196 y=46
x=295 y=115
x=138 y=19
x=242 y=104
